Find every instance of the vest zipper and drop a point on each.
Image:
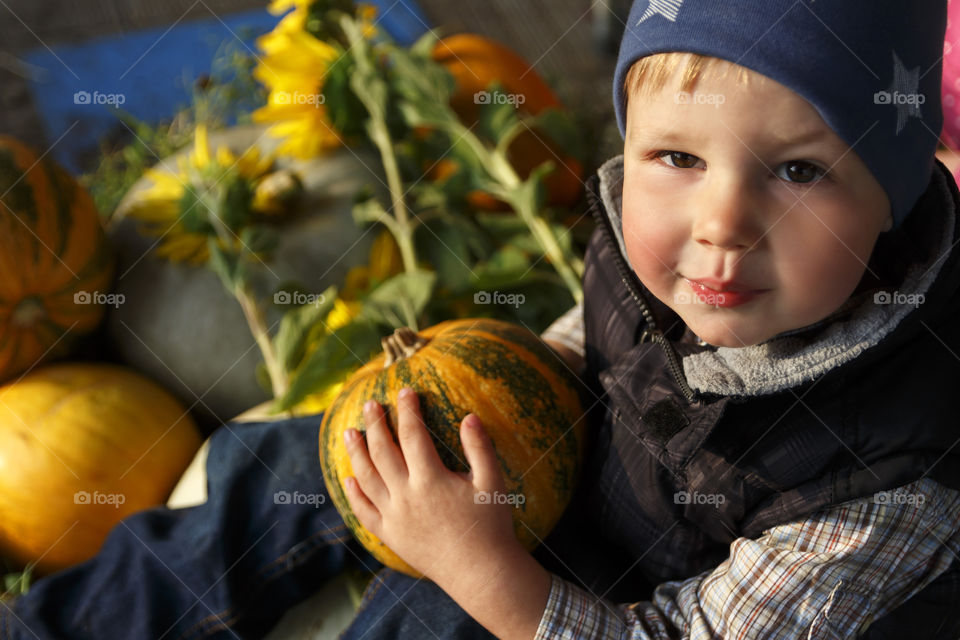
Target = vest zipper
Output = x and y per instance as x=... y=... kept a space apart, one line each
x=651 y=333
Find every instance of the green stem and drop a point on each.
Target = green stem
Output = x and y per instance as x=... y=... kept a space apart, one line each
x=258 y=327
x=544 y=234
x=373 y=95
x=252 y=312
x=403 y=229
x=501 y=170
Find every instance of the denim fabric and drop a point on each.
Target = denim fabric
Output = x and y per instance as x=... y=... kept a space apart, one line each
x=231 y=567
x=398 y=606
x=226 y=569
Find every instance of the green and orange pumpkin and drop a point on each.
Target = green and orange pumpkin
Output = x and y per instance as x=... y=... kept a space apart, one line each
x=527 y=399
x=53 y=260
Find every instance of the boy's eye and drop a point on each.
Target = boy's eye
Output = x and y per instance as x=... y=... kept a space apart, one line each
x=679 y=159
x=800 y=172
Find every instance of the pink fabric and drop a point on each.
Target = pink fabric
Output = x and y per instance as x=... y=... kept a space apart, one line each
x=951 y=82
x=951 y=78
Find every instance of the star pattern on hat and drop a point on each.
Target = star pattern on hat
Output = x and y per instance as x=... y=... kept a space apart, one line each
x=666 y=8
x=904 y=92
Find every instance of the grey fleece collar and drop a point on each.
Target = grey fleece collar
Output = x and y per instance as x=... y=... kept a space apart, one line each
x=793 y=357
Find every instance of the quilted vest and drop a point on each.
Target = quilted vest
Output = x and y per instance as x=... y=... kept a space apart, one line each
x=663 y=453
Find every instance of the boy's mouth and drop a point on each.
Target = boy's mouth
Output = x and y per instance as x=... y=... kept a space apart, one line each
x=722 y=294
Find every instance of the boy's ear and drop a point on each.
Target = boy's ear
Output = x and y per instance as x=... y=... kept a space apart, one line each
x=889 y=223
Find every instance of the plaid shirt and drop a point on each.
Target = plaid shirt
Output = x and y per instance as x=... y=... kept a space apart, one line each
x=568 y=330
x=828 y=576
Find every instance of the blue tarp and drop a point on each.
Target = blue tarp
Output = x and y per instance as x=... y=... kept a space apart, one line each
x=150 y=73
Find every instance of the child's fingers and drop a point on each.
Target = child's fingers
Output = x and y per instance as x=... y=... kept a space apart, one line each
x=481 y=455
x=384 y=452
x=418 y=449
x=366 y=474
x=365 y=511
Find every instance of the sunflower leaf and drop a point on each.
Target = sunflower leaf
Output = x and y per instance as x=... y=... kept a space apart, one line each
x=498 y=114
x=446 y=244
x=297 y=325
x=226 y=265
x=400 y=300
x=260 y=239
x=346 y=112
x=331 y=359
x=560 y=129
x=368 y=212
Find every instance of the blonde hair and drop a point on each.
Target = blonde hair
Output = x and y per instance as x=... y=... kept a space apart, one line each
x=650 y=74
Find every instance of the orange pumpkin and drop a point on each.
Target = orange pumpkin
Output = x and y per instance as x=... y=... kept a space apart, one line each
x=477 y=62
x=54 y=264
x=81 y=447
x=527 y=400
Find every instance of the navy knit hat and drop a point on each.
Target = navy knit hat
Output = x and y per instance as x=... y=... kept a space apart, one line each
x=871 y=68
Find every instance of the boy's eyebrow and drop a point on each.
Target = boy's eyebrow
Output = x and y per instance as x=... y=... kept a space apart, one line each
x=651 y=136
x=806 y=137
x=646 y=136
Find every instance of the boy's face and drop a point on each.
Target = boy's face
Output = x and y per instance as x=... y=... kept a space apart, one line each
x=748 y=191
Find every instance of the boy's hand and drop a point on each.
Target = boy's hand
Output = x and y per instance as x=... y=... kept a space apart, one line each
x=427 y=514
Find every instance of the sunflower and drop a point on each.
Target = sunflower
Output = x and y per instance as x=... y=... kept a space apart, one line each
x=278 y=7
x=174 y=207
x=294 y=68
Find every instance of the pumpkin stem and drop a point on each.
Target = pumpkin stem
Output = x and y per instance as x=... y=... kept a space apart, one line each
x=27 y=312
x=402 y=344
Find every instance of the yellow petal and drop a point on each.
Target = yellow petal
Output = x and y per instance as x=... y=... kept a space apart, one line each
x=319 y=401
x=276 y=7
x=367 y=14
x=342 y=313
x=163 y=180
x=225 y=157
x=201 y=151
x=159 y=211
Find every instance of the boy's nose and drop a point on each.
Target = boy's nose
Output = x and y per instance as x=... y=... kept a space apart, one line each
x=727 y=216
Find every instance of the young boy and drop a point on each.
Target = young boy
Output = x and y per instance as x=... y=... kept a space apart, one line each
x=770 y=330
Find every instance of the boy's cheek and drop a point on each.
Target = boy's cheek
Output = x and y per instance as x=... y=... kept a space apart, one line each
x=652 y=250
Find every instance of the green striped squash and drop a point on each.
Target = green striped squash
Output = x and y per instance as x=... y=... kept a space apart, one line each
x=54 y=265
x=519 y=388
